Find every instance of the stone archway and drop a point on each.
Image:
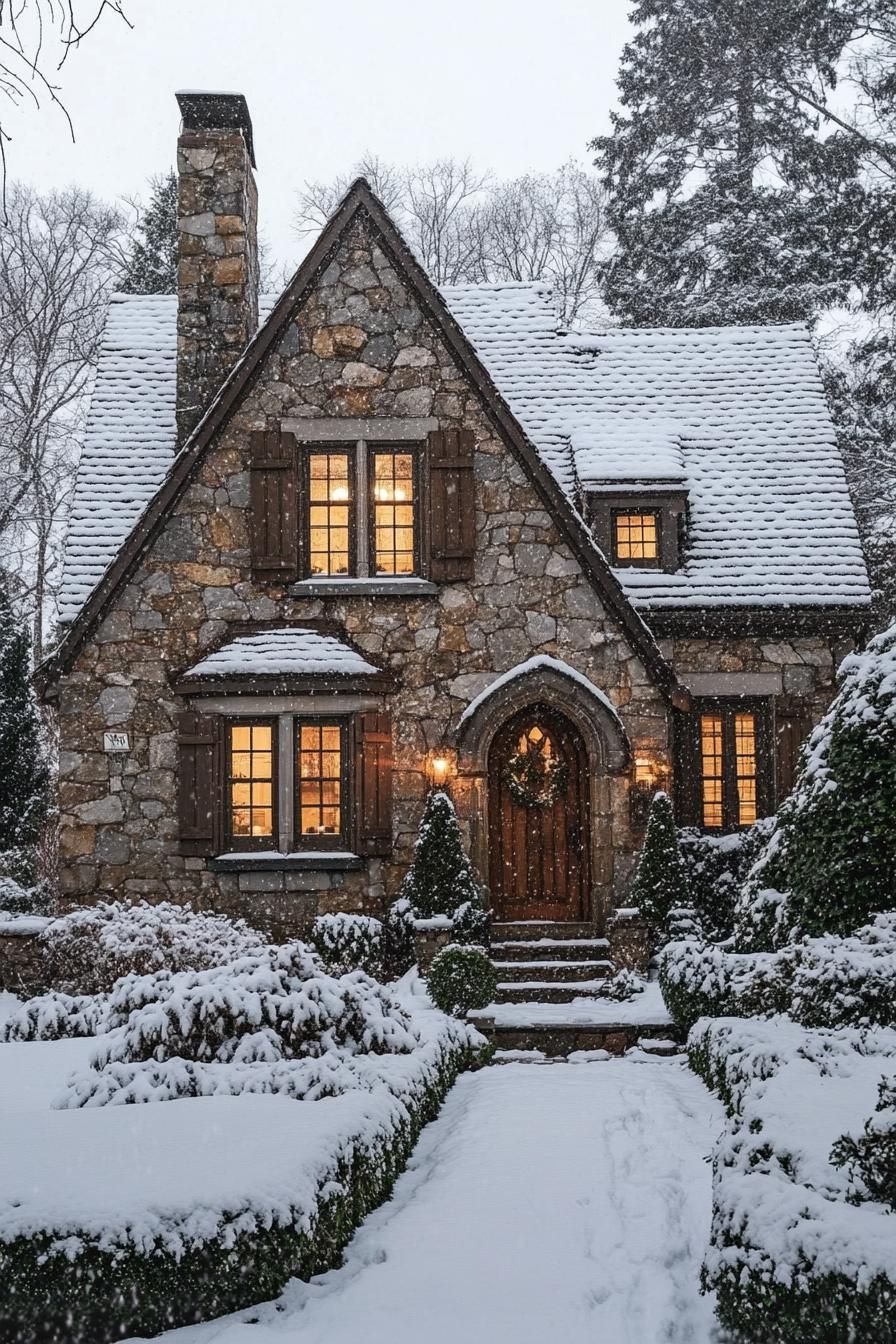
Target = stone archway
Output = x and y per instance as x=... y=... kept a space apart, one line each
x=556 y=687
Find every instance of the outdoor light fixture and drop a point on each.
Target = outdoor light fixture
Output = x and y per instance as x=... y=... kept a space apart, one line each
x=648 y=779
x=439 y=766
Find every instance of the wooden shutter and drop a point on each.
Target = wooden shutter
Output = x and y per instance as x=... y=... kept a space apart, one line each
x=373 y=783
x=198 y=783
x=273 y=501
x=451 y=504
x=793 y=723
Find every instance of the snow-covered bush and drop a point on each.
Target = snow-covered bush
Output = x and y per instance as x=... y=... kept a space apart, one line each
x=281 y=1005
x=622 y=986
x=660 y=883
x=348 y=943
x=792 y=1257
x=441 y=879
x=461 y=978
x=18 y=900
x=470 y=923
x=819 y=982
x=88 y=950
x=50 y=1017
x=717 y=866
x=870 y=1160
x=399 y=939
x=702 y=980
x=202 y=1226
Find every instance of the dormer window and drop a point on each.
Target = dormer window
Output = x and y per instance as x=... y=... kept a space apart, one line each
x=636 y=537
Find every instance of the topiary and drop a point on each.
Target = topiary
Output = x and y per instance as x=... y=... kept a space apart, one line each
x=441 y=878
x=660 y=883
x=472 y=924
x=348 y=943
x=461 y=978
x=837 y=838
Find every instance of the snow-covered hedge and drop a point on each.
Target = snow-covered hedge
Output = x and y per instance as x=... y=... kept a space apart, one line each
x=717 y=866
x=793 y=1257
x=197 y=1227
x=819 y=982
x=54 y=1016
x=349 y=942
x=88 y=950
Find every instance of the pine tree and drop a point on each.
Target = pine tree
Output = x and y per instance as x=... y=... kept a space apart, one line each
x=441 y=878
x=661 y=878
x=835 y=838
x=152 y=265
x=24 y=773
x=727 y=203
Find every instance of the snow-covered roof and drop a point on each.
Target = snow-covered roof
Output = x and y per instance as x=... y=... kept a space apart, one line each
x=288 y=651
x=734 y=415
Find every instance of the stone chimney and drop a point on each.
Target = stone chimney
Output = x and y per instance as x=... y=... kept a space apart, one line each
x=217 y=270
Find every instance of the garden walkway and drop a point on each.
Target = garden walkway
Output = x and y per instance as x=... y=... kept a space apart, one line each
x=548 y=1202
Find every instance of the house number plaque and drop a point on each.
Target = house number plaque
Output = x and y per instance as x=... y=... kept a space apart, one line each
x=116 y=742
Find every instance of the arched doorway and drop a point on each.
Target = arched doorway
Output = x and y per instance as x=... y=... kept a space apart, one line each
x=539 y=836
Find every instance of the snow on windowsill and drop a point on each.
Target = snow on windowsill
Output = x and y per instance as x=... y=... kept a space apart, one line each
x=270 y=860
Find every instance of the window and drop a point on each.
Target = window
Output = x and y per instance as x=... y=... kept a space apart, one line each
x=251 y=785
x=362 y=515
x=320 y=779
x=636 y=538
x=394 y=523
x=733 y=765
x=330 y=521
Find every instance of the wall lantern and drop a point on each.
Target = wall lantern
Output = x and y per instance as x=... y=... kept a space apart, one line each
x=648 y=779
x=439 y=768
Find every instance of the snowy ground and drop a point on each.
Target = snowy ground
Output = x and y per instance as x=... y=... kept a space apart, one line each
x=569 y=1202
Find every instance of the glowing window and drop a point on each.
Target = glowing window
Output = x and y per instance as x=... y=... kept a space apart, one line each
x=745 y=758
x=320 y=770
x=394 y=531
x=250 y=782
x=330 y=506
x=711 y=769
x=636 y=538
x=729 y=767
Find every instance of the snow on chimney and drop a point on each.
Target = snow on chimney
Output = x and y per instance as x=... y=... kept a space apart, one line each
x=217 y=271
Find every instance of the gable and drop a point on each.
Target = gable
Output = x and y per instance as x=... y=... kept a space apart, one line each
x=276 y=340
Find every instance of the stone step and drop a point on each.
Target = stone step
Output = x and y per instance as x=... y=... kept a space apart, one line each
x=558 y=1040
x=539 y=991
x=530 y=930
x=550 y=949
x=549 y=971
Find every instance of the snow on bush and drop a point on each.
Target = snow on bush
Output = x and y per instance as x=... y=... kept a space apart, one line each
x=441 y=879
x=461 y=977
x=470 y=923
x=88 y=950
x=18 y=900
x=622 y=987
x=819 y=982
x=349 y=942
x=717 y=866
x=399 y=939
x=792 y=1257
x=199 y=1226
x=870 y=1159
x=53 y=1016
x=660 y=884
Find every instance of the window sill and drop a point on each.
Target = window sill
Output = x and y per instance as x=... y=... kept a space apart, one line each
x=323 y=860
x=368 y=587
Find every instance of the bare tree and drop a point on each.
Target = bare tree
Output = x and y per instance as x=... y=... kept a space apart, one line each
x=36 y=38
x=58 y=256
x=467 y=227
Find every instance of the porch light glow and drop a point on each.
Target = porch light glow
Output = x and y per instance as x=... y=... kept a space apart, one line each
x=648 y=779
x=439 y=765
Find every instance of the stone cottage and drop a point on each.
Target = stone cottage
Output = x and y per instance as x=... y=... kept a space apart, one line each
x=331 y=547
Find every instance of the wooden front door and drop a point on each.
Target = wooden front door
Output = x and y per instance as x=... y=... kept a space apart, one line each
x=539 y=838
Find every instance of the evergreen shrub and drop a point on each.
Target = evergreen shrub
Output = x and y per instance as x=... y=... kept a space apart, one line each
x=660 y=884
x=399 y=939
x=461 y=978
x=24 y=768
x=441 y=878
x=88 y=950
x=871 y=1159
x=717 y=866
x=349 y=942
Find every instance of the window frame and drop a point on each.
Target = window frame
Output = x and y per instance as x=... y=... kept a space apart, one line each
x=637 y=562
x=412 y=450
x=362 y=536
x=727 y=708
x=341 y=841
x=347 y=449
x=238 y=844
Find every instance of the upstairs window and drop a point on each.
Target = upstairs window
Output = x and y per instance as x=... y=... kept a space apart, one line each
x=362 y=514
x=394 y=510
x=330 y=509
x=636 y=538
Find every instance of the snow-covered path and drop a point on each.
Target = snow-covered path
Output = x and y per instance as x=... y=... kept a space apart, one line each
x=564 y=1202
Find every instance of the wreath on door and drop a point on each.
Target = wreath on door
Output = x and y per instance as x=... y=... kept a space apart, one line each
x=534 y=778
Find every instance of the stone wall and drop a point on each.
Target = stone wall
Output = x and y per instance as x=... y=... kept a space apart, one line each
x=359 y=346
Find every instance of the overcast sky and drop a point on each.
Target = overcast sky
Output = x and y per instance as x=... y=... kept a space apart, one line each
x=514 y=84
